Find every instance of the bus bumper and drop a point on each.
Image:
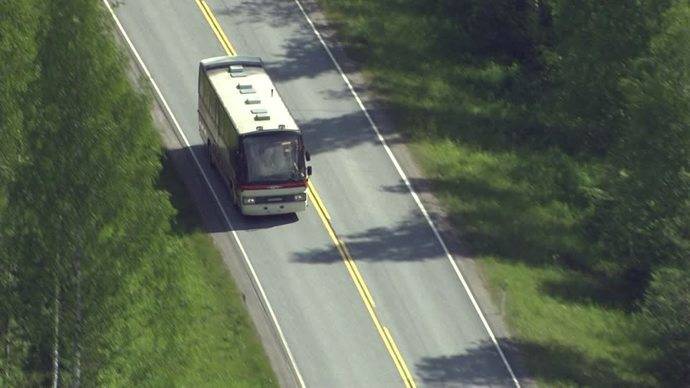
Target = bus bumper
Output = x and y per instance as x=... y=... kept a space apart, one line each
x=273 y=208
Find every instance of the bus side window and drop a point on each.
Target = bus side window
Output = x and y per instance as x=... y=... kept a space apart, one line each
x=229 y=138
x=203 y=89
x=232 y=135
x=219 y=114
x=238 y=164
x=207 y=91
x=212 y=107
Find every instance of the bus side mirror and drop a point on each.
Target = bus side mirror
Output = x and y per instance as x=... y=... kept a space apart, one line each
x=308 y=170
x=307 y=156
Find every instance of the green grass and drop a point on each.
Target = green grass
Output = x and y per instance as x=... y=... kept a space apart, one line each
x=508 y=203
x=518 y=204
x=514 y=211
x=567 y=343
x=184 y=323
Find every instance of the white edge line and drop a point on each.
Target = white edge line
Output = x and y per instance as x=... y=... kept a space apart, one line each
x=215 y=196
x=414 y=194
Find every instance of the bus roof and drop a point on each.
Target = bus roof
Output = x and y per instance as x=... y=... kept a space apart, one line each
x=248 y=94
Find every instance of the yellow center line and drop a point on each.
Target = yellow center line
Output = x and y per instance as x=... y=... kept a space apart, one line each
x=363 y=291
x=317 y=200
x=340 y=245
x=350 y=264
x=215 y=26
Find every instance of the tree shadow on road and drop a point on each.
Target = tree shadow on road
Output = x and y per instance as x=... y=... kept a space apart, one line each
x=340 y=132
x=551 y=364
x=411 y=240
x=300 y=56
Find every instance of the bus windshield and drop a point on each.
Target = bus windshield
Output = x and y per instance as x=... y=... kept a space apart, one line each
x=274 y=157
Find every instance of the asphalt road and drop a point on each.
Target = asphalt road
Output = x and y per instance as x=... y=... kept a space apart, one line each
x=417 y=295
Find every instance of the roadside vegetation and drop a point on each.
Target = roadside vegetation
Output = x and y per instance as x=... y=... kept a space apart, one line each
x=105 y=277
x=557 y=135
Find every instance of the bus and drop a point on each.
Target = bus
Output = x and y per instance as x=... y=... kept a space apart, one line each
x=251 y=137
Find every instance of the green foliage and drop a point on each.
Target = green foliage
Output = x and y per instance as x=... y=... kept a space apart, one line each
x=84 y=197
x=19 y=28
x=20 y=25
x=595 y=44
x=507 y=30
x=181 y=321
x=510 y=204
x=666 y=312
x=85 y=224
x=567 y=336
x=184 y=328
x=645 y=219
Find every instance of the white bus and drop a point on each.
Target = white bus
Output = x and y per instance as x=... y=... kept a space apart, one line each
x=252 y=139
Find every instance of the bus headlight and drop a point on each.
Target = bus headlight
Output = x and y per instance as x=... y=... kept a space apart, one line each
x=248 y=200
x=301 y=197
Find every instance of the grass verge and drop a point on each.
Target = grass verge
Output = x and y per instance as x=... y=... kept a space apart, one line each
x=510 y=208
x=184 y=322
x=519 y=208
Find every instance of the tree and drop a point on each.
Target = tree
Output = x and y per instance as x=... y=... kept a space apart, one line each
x=507 y=30
x=19 y=29
x=644 y=221
x=18 y=32
x=596 y=43
x=666 y=313
x=84 y=211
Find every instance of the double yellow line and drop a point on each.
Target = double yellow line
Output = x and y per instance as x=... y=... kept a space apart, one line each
x=215 y=26
x=326 y=219
x=362 y=288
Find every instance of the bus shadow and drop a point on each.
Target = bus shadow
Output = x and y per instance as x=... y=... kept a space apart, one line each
x=201 y=187
x=240 y=222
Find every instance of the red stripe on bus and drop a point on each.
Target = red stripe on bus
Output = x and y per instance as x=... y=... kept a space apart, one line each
x=274 y=186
